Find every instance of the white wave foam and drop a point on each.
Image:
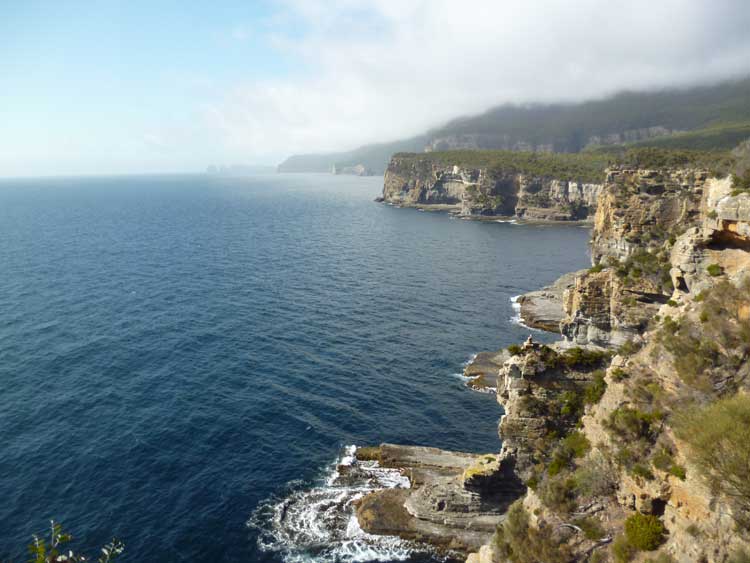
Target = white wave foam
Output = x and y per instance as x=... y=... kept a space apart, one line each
x=516 y=318
x=471 y=359
x=508 y=221
x=319 y=523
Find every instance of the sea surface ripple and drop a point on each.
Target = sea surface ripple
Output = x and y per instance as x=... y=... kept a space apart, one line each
x=178 y=353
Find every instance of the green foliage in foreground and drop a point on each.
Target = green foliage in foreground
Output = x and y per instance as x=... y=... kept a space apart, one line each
x=719 y=439
x=644 y=532
x=54 y=548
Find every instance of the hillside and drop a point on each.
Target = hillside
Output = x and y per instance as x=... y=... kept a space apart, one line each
x=708 y=117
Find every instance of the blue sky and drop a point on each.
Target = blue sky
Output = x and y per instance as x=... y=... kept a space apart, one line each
x=105 y=76
x=136 y=86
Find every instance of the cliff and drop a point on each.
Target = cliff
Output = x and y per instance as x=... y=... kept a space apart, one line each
x=532 y=187
x=629 y=438
x=626 y=459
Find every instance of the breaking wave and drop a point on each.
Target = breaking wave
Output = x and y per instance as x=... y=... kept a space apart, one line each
x=319 y=523
x=516 y=318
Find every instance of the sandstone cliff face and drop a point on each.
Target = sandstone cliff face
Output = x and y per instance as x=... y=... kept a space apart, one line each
x=640 y=206
x=594 y=435
x=533 y=387
x=701 y=233
x=479 y=191
x=638 y=211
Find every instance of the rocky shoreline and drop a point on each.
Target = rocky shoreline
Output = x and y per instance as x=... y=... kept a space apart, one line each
x=487 y=193
x=588 y=444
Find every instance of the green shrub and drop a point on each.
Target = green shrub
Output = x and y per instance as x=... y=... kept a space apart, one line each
x=714 y=270
x=640 y=470
x=672 y=303
x=644 y=532
x=517 y=541
x=719 y=439
x=591 y=528
x=514 y=350
x=678 y=471
x=577 y=443
x=632 y=424
x=596 y=475
x=557 y=464
x=571 y=404
x=577 y=358
x=694 y=530
x=618 y=374
x=596 y=269
x=644 y=264
x=574 y=446
x=594 y=391
x=629 y=348
x=662 y=459
x=559 y=493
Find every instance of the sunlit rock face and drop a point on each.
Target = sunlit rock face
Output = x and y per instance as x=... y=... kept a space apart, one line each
x=479 y=191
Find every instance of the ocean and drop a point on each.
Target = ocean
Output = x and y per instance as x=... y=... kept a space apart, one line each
x=185 y=359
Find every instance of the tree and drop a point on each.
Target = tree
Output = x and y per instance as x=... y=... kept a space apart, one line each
x=53 y=551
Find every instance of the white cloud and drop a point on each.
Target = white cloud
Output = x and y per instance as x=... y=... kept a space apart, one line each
x=384 y=69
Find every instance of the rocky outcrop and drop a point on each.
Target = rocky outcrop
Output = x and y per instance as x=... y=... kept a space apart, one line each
x=532 y=387
x=481 y=371
x=639 y=210
x=639 y=206
x=456 y=500
x=476 y=192
x=592 y=432
x=604 y=309
x=544 y=309
x=640 y=464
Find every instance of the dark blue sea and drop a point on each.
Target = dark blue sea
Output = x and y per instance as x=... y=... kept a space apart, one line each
x=182 y=355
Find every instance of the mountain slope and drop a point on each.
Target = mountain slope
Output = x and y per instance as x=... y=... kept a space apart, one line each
x=721 y=110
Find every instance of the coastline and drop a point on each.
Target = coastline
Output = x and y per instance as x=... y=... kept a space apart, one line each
x=608 y=323
x=454 y=211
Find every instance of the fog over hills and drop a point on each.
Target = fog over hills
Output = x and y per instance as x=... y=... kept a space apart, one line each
x=706 y=117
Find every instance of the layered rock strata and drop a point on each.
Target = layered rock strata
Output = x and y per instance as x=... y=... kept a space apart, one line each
x=591 y=432
x=478 y=192
x=456 y=500
x=544 y=309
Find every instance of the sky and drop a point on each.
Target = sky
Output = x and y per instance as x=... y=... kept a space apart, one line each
x=141 y=86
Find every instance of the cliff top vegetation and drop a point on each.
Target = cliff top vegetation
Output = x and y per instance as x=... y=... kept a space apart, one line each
x=584 y=167
x=587 y=166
